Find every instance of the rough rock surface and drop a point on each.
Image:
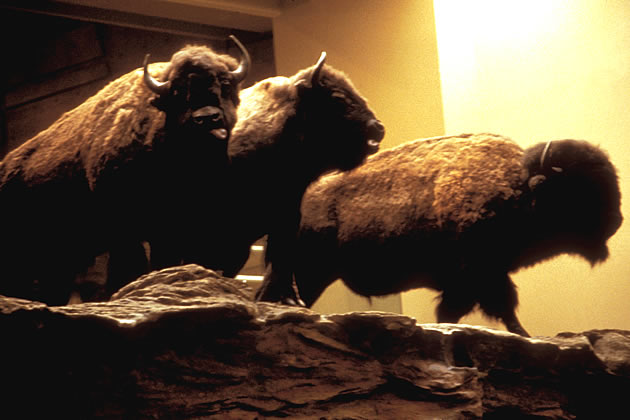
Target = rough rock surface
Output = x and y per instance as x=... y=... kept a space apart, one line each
x=186 y=343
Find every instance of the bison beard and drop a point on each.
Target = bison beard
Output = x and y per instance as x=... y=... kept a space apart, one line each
x=79 y=188
x=456 y=214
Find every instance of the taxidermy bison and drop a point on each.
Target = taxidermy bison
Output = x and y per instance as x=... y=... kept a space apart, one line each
x=290 y=130
x=84 y=185
x=456 y=214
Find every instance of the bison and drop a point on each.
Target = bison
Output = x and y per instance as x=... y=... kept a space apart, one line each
x=85 y=185
x=456 y=214
x=290 y=130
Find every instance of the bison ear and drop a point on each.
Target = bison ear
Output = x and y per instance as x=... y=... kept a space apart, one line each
x=301 y=85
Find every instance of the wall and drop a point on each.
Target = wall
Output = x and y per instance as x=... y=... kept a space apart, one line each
x=537 y=71
x=388 y=49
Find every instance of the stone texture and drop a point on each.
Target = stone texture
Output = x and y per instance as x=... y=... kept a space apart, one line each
x=186 y=343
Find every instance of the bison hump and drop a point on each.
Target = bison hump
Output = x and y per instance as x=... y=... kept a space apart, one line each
x=472 y=172
x=421 y=185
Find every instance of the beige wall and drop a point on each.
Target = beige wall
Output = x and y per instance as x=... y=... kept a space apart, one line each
x=388 y=49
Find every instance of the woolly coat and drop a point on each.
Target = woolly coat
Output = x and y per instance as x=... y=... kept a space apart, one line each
x=442 y=182
x=456 y=214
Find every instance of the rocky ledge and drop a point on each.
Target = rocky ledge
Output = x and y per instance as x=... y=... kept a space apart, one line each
x=186 y=343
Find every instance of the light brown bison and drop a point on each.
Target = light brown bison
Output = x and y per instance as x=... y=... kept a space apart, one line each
x=456 y=214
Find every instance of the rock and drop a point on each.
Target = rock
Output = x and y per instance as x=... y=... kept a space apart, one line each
x=186 y=343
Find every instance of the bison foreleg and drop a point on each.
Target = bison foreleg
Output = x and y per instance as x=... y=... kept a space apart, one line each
x=278 y=284
x=495 y=293
x=454 y=304
x=499 y=300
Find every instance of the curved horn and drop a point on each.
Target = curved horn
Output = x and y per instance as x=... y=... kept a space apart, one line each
x=241 y=72
x=544 y=154
x=157 y=87
x=318 y=68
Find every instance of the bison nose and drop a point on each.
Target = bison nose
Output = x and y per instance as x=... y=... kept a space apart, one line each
x=207 y=114
x=376 y=131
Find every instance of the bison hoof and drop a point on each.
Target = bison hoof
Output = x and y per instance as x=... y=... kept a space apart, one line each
x=293 y=301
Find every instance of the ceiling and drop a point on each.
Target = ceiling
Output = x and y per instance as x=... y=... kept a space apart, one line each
x=176 y=16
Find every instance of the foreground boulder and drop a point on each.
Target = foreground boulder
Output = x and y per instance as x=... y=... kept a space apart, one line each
x=185 y=343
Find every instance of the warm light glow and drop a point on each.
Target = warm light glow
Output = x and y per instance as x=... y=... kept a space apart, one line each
x=537 y=71
x=504 y=22
x=246 y=278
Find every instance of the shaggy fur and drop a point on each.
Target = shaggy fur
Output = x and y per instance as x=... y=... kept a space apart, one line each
x=82 y=186
x=289 y=132
x=456 y=214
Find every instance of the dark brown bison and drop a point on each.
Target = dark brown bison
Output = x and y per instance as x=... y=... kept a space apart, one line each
x=456 y=214
x=94 y=180
x=290 y=130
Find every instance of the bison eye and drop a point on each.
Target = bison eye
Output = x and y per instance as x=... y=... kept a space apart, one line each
x=226 y=88
x=342 y=98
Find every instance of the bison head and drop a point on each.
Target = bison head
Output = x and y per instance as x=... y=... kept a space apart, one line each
x=200 y=93
x=340 y=128
x=576 y=198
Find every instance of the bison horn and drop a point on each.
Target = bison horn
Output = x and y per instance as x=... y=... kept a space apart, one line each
x=544 y=154
x=241 y=72
x=157 y=87
x=318 y=69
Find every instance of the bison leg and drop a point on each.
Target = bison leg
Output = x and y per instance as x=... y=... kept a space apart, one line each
x=454 y=304
x=514 y=326
x=53 y=288
x=499 y=300
x=127 y=262
x=164 y=253
x=312 y=285
x=233 y=258
x=278 y=286
x=317 y=264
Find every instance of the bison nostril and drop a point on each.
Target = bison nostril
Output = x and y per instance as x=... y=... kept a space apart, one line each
x=210 y=113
